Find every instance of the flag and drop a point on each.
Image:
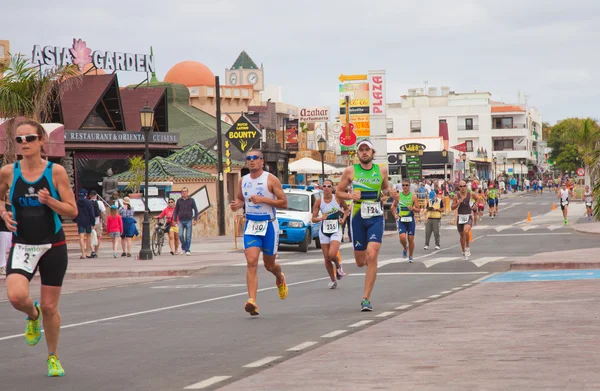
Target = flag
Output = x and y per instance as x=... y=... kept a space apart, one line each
x=460 y=147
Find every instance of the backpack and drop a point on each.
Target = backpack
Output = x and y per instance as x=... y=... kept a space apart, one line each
x=96 y=208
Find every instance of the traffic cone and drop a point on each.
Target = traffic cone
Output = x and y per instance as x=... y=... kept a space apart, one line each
x=529 y=217
x=339 y=256
x=554 y=206
x=470 y=236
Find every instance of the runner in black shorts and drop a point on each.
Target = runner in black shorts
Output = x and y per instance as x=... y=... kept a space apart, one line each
x=39 y=193
x=464 y=201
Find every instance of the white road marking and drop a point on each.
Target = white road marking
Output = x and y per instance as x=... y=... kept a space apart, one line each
x=393 y=260
x=434 y=296
x=445 y=292
x=482 y=261
x=384 y=314
x=302 y=346
x=303 y=262
x=553 y=227
x=415 y=273
x=532 y=234
x=435 y=261
x=207 y=383
x=466 y=284
x=403 y=306
x=160 y=309
x=357 y=324
x=262 y=362
x=421 y=301
x=457 y=288
x=334 y=334
x=502 y=228
x=528 y=227
x=191 y=286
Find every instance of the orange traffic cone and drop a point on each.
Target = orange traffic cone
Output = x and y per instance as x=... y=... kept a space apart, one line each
x=470 y=236
x=339 y=256
x=554 y=206
x=529 y=217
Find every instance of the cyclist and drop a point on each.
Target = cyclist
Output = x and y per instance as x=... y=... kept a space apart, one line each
x=169 y=227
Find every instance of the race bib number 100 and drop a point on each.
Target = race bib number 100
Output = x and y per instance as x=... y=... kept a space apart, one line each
x=27 y=256
x=256 y=228
x=370 y=209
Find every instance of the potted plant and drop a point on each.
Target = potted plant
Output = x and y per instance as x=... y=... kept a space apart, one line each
x=137 y=166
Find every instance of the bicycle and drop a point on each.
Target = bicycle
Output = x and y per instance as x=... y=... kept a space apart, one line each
x=158 y=238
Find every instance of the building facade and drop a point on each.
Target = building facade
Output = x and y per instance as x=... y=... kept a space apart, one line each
x=485 y=128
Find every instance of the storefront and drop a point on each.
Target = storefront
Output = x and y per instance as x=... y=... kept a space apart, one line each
x=434 y=165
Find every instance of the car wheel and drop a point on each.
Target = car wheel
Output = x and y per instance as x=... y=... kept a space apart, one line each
x=317 y=242
x=305 y=243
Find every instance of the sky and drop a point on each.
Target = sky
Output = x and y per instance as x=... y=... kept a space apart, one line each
x=546 y=50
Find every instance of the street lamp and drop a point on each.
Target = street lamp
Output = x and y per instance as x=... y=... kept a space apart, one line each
x=495 y=159
x=464 y=160
x=445 y=155
x=504 y=161
x=322 y=145
x=147 y=122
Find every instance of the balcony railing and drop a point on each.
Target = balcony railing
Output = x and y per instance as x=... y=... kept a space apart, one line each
x=470 y=127
x=515 y=126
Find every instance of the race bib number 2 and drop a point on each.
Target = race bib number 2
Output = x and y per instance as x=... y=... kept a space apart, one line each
x=370 y=209
x=256 y=228
x=26 y=256
x=330 y=226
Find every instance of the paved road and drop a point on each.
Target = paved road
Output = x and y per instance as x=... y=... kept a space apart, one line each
x=170 y=334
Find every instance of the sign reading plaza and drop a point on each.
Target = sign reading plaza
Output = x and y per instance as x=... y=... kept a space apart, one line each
x=80 y=55
x=243 y=134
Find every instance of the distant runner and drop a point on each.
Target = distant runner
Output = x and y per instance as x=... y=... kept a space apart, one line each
x=563 y=195
x=464 y=203
x=367 y=223
x=493 y=201
x=260 y=193
x=330 y=235
x=588 y=202
x=404 y=207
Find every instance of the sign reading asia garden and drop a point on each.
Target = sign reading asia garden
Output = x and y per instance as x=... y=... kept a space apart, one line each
x=120 y=137
x=80 y=55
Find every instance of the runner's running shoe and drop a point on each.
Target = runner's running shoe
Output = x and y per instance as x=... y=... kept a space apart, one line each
x=33 y=331
x=251 y=307
x=340 y=273
x=282 y=288
x=410 y=260
x=54 y=367
x=365 y=305
x=404 y=254
x=332 y=284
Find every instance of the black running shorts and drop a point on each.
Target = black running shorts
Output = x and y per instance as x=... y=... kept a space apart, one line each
x=52 y=266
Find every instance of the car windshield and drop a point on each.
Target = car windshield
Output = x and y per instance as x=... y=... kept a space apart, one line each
x=298 y=202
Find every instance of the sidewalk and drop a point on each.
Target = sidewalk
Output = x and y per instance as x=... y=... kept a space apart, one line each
x=588 y=258
x=492 y=336
x=588 y=227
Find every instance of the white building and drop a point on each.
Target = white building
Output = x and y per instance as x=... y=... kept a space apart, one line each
x=487 y=128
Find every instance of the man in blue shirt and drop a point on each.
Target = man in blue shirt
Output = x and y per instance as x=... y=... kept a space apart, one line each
x=85 y=221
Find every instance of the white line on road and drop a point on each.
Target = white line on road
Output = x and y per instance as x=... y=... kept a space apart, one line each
x=445 y=292
x=302 y=346
x=334 y=334
x=388 y=261
x=415 y=273
x=434 y=296
x=262 y=362
x=421 y=301
x=457 y=288
x=466 y=284
x=207 y=383
x=403 y=306
x=528 y=227
x=435 y=261
x=482 y=261
x=171 y=307
x=357 y=324
x=385 y=314
x=532 y=234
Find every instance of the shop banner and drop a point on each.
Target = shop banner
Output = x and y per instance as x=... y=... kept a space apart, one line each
x=360 y=119
x=291 y=135
x=243 y=134
x=460 y=147
x=413 y=167
x=377 y=93
x=314 y=114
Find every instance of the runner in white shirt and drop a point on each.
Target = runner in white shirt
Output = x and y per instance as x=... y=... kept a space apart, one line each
x=563 y=194
x=588 y=202
x=502 y=186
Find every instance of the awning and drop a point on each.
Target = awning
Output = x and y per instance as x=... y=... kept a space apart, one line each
x=310 y=166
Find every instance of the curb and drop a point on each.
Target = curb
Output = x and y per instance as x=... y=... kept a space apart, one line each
x=123 y=274
x=554 y=265
x=583 y=231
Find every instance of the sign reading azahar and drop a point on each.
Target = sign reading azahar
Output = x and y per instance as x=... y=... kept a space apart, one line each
x=81 y=55
x=314 y=114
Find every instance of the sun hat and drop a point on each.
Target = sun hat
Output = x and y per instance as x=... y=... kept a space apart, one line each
x=127 y=200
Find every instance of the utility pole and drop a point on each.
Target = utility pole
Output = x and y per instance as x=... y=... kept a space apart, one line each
x=220 y=178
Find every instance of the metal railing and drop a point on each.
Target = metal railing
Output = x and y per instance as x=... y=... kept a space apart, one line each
x=515 y=126
x=470 y=127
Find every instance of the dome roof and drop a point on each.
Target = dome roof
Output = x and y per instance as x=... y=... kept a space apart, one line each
x=89 y=66
x=190 y=74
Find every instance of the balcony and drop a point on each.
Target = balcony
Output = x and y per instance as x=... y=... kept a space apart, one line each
x=464 y=127
x=519 y=130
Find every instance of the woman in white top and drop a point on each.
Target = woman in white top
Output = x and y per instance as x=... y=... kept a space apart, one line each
x=588 y=202
x=563 y=194
x=330 y=234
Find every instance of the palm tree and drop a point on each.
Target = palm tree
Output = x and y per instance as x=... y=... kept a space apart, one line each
x=29 y=91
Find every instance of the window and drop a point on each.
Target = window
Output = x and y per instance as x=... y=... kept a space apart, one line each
x=389 y=125
x=442 y=121
x=415 y=126
x=469 y=145
x=469 y=123
x=503 y=123
x=503 y=145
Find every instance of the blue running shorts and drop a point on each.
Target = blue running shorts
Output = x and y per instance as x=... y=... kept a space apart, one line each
x=365 y=231
x=268 y=243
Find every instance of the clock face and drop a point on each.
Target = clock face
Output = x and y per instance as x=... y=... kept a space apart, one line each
x=233 y=79
x=252 y=78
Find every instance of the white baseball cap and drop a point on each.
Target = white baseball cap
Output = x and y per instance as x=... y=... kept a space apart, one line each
x=365 y=142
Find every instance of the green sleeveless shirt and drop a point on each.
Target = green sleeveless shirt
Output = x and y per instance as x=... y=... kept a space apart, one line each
x=404 y=203
x=369 y=183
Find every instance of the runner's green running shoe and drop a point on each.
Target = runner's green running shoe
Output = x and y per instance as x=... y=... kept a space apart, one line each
x=33 y=331
x=54 y=367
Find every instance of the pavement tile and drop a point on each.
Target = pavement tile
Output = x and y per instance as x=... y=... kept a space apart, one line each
x=517 y=336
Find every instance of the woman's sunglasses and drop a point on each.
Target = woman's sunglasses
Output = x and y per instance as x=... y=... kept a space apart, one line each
x=327 y=186
x=29 y=138
x=252 y=157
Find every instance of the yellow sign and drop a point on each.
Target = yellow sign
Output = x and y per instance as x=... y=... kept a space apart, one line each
x=344 y=78
x=355 y=102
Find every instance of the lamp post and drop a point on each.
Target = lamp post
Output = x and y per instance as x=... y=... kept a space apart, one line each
x=445 y=156
x=464 y=160
x=504 y=161
x=147 y=121
x=495 y=159
x=322 y=145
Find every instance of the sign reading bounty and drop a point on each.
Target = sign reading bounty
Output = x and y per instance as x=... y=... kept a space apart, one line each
x=243 y=134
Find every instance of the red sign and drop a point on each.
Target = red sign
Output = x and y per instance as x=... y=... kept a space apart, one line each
x=377 y=99
x=460 y=147
x=580 y=171
x=348 y=137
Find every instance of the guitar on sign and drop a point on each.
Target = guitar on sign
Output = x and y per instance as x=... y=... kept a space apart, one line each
x=348 y=137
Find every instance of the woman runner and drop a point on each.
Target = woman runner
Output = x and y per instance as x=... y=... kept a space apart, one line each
x=39 y=193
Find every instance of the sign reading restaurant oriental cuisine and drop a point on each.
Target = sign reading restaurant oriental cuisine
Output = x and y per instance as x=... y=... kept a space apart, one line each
x=314 y=114
x=90 y=136
x=80 y=55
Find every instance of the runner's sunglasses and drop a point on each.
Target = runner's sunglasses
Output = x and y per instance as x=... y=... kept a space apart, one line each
x=253 y=157
x=29 y=138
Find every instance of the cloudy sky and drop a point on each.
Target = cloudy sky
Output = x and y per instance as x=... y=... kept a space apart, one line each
x=546 y=49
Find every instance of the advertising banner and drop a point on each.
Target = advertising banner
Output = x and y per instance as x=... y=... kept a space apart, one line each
x=291 y=135
x=314 y=114
x=243 y=134
x=360 y=119
x=413 y=167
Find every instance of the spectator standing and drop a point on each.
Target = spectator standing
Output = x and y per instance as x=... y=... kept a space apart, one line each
x=434 y=219
x=129 y=228
x=85 y=221
x=99 y=216
x=186 y=213
x=114 y=227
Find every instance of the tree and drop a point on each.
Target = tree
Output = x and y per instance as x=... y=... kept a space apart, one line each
x=569 y=159
x=29 y=91
x=546 y=129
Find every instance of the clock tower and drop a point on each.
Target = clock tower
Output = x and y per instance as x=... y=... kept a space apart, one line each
x=244 y=71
